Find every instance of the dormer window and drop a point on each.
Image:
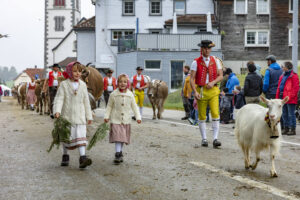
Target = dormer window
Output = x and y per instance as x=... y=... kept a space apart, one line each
x=60 y=3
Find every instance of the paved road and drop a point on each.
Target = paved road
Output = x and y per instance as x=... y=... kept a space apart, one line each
x=161 y=163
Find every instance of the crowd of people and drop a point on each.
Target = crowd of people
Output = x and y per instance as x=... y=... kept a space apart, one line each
x=277 y=83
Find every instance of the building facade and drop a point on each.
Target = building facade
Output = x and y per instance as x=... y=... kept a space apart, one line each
x=253 y=29
x=124 y=18
x=60 y=17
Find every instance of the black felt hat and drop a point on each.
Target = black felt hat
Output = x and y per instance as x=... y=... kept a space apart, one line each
x=139 y=68
x=206 y=44
x=55 y=65
x=109 y=71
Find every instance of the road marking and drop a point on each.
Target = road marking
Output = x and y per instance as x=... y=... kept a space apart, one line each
x=196 y=127
x=257 y=184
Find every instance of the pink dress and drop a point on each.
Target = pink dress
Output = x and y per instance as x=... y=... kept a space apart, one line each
x=31 y=98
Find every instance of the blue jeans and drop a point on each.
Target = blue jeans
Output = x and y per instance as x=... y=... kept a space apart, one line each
x=289 y=116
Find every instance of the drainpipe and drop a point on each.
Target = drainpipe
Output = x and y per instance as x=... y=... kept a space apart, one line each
x=295 y=35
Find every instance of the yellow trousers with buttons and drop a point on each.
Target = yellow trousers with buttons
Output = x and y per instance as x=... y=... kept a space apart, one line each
x=209 y=97
x=139 y=97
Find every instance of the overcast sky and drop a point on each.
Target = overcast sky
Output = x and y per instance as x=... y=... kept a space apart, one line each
x=23 y=21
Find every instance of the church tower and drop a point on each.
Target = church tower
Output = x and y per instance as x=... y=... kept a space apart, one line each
x=60 y=17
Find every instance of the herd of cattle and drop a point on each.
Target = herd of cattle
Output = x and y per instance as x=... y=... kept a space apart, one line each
x=157 y=92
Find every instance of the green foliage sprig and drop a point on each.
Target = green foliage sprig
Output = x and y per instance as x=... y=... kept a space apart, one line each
x=99 y=135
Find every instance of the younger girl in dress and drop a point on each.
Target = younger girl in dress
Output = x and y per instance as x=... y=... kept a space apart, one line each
x=120 y=104
x=72 y=103
x=31 y=98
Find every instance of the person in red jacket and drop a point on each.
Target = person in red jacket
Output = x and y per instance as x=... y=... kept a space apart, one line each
x=52 y=83
x=288 y=85
x=110 y=84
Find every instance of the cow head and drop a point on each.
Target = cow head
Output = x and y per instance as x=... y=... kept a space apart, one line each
x=85 y=74
x=153 y=88
x=275 y=108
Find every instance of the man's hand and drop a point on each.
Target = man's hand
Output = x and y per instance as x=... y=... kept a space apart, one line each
x=197 y=96
x=140 y=89
x=106 y=120
x=57 y=115
x=210 y=85
x=89 y=122
x=139 y=121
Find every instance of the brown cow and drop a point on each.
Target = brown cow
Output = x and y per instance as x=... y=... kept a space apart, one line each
x=157 y=94
x=22 y=96
x=42 y=98
x=94 y=83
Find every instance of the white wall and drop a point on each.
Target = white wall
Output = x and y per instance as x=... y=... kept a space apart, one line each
x=86 y=47
x=66 y=49
x=109 y=17
x=23 y=78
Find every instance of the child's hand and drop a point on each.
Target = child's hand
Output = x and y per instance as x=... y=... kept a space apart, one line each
x=139 y=121
x=89 y=121
x=106 y=120
x=57 y=115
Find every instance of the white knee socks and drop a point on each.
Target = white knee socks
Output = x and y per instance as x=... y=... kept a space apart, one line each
x=119 y=146
x=81 y=151
x=141 y=111
x=202 y=127
x=215 y=127
x=64 y=150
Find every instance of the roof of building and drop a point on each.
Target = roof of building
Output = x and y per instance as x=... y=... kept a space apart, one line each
x=192 y=20
x=86 y=25
x=82 y=20
x=66 y=61
x=31 y=72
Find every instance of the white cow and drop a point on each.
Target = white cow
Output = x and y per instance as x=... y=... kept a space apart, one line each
x=258 y=128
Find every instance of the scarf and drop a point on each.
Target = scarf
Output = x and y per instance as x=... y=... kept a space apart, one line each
x=68 y=74
x=284 y=79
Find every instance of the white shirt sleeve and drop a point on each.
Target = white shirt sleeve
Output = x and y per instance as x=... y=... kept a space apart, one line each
x=194 y=66
x=145 y=80
x=131 y=80
x=47 y=75
x=219 y=66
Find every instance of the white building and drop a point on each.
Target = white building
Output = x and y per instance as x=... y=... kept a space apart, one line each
x=124 y=18
x=60 y=17
x=27 y=75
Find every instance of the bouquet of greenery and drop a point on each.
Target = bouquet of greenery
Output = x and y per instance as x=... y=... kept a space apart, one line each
x=99 y=135
x=61 y=132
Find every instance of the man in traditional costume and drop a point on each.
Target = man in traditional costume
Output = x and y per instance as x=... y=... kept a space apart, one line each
x=52 y=82
x=139 y=84
x=206 y=72
x=110 y=84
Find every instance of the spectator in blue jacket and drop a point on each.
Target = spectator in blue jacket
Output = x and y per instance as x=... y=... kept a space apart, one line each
x=232 y=80
x=271 y=77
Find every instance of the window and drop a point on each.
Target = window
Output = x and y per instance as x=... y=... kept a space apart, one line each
x=155 y=31
x=59 y=23
x=257 y=38
x=75 y=46
x=179 y=7
x=59 y=2
x=118 y=34
x=155 y=7
x=176 y=74
x=290 y=6
x=201 y=29
x=128 y=7
x=240 y=7
x=262 y=7
x=152 y=64
x=290 y=37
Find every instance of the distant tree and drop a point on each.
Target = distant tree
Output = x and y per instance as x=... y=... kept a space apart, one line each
x=8 y=74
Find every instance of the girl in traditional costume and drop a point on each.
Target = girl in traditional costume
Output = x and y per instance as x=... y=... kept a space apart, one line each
x=31 y=98
x=72 y=103
x=120 y=104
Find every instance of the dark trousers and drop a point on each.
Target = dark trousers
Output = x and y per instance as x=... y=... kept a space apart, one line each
x=52 y=93
x=106 y=97
x=289 y=116
x=186 y=106
x=271 y=96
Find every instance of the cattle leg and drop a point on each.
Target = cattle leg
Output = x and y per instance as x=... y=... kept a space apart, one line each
x=41 y=106
x=37 y=104
x=160 y=108
x=247 y=157
x=153 y=108
x=254 y=165
x=272 y=156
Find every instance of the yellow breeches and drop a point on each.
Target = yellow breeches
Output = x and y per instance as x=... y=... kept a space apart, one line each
x=139 y=97
x=209 y=97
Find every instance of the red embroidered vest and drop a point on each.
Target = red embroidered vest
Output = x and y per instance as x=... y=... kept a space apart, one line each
x=51 y=78
x=142 y=83
x=31 y=87
x=106 y=83
x=202 y=71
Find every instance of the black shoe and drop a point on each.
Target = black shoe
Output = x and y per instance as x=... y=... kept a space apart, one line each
x=184 y=118
x=52 y=116
x=292 y=132
x=216 y=143
x=204 y=143
x=134 y=118
x=84 y=161
x=65 y=160
x=285 y=131
x=121 y=154
x=118 y=158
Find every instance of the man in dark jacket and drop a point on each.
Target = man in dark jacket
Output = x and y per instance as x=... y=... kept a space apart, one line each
x=253 y=85
x=271 y=77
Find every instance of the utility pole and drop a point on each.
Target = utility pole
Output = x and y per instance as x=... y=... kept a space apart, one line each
x=295 y=35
